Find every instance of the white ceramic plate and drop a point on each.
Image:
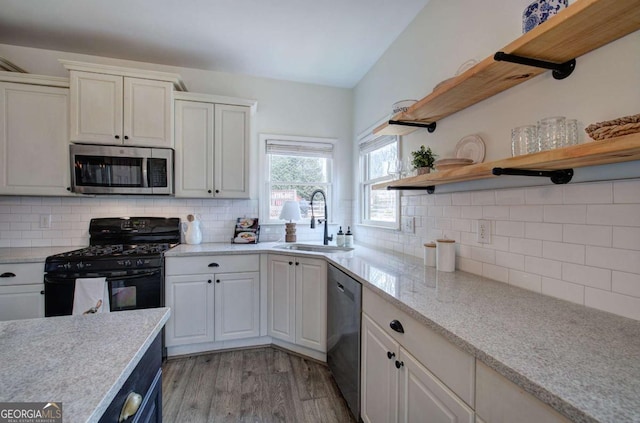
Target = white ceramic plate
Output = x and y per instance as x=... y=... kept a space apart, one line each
x=470 y=147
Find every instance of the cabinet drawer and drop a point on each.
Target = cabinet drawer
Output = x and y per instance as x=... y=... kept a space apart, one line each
x=501 y=401
x=212 y=264
x=449 y=363
x=21 y=273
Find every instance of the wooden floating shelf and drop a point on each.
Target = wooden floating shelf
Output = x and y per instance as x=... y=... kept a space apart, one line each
x=580 y=28
x=594 y=153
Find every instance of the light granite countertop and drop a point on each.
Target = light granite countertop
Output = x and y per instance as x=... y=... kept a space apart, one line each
x=82 y=361
x=30 y=254
x=583 y=362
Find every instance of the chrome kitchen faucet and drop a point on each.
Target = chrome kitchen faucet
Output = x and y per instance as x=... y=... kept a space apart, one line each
x=326 y=237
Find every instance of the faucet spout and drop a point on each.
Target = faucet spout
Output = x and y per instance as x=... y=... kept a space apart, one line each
x=326 y=238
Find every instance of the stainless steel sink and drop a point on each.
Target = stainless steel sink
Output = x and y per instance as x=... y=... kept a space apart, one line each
x=314 y=248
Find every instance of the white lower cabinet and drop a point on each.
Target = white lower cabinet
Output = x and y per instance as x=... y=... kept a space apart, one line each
x=219 y=305
x=411 y=374
x=501 y=401
x=396 y=387
x=21 y=291
x=297 y=301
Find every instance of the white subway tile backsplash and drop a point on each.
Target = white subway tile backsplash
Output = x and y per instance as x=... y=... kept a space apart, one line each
x=469 y=265
x=593 y=193
x=463 y=225
x=483 y=255
x=494 y=272
x=526 y=213
x=452 y=211
x=495 y=212
x=525 y=280
x=528 y=247
x=443 y=200
x=594 y=277
x=565 y=214
x=587 y=234
x=622 y=305
x=564 y=290
x=628 y=238
x=483 y=198
x=626 y=283
x=461 y=199
x=543 y=267
x=614 y=259
x=614 y=214
x=543 y=231
x=469 y=212
x=571 y=253
x=543 y=195
x=626 y=191
x=510 y=260
x=507 y=228
x=509 y=197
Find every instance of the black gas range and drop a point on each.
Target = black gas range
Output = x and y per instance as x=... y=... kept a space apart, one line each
x=125 y=251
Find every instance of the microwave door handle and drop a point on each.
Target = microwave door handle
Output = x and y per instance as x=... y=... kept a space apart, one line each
x=145 y=172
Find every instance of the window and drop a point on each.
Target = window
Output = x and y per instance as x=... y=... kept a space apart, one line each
x=295 y=167
x=379 y=207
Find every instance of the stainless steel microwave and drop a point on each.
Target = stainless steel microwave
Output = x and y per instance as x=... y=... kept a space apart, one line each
x=106 y=169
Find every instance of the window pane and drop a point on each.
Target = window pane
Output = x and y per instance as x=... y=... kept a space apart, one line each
x=300 y=193
x=379 y=159
x=299 y=169
x=382 y=205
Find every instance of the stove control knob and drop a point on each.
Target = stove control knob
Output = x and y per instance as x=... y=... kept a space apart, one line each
x=80 y=265
x=139 y=262
x=127 y=263
x=67 y=265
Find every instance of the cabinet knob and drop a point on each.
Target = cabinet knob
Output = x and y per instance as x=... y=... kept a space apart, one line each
x=217 y=280
x=8 y=275
x=209 y=191
x=126 y=137
x=214 y=265
x=42 y=292
x=390 y=355
x=399 y=364
x=209 y=281
x=68 y=188
x=297 y=264
x=117 y=137
x=397 y=326
x=217 y=191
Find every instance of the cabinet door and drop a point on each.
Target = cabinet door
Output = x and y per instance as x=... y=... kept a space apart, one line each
x=379 y=374
x=281 y=291
x=148 y=113
x=194 y=149
x=237 y=305
x=21 y=301
x=96 y=108
x=191 y=299
x=34 y=140
x=311 y=303
x=422 y=394
x=231 y=155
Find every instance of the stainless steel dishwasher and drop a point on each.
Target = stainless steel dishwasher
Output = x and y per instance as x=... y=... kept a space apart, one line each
x=344 y=305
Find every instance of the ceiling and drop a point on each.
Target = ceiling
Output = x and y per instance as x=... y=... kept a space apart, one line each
x=327 y=42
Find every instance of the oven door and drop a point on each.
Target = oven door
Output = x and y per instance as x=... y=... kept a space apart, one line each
x=134 y=290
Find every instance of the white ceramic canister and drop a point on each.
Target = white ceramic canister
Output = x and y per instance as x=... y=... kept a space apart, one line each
x=430 y=254
x=193 y=234
x=446 y=255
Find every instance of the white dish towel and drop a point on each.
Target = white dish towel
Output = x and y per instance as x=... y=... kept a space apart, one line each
x=91 y=296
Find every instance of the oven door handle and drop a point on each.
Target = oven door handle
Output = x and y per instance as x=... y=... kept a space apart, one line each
x=139 y=275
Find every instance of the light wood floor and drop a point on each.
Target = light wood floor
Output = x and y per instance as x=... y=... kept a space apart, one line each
x=254 y=385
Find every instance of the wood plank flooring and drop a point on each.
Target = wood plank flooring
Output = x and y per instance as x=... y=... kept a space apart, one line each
x=255 y=385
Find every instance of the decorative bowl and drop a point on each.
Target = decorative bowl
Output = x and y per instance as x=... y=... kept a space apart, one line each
x=539 y=11
x=403 y=105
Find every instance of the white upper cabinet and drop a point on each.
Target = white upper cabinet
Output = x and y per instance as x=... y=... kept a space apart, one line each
x=212 y=150
x=112 y=109
x=34 y=140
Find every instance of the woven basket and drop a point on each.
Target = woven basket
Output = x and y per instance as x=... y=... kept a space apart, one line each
x=614 y=128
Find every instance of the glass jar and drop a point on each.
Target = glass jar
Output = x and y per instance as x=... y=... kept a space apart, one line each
x=552 y=132
x=524 y=140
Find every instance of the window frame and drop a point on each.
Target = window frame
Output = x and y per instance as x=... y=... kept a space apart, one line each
x=366 y=146
x=297 y=142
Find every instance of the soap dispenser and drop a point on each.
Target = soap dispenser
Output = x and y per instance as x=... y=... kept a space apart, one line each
x=340 y=238
x=348 y=238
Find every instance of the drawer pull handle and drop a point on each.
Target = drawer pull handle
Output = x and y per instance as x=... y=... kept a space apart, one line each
x=397 y=326
x=390 y=355
x=214 y=265
x=130 y=406
x=8 y=275
x=399 y=364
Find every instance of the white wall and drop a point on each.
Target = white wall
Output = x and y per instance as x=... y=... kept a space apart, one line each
x=579 y=242
x=287 y=108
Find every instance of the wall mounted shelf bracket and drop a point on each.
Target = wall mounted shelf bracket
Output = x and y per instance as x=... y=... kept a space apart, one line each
x=560 y=70
x=431 y=127
x=561 y=176
x=430 y=189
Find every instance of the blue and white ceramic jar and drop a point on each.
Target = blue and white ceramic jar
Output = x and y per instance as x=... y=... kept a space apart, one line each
x=539 y=11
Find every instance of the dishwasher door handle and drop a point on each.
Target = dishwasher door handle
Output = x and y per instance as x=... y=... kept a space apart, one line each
x=340 y=286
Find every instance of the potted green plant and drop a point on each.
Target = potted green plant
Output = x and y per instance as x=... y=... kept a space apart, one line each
x=423 y=160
